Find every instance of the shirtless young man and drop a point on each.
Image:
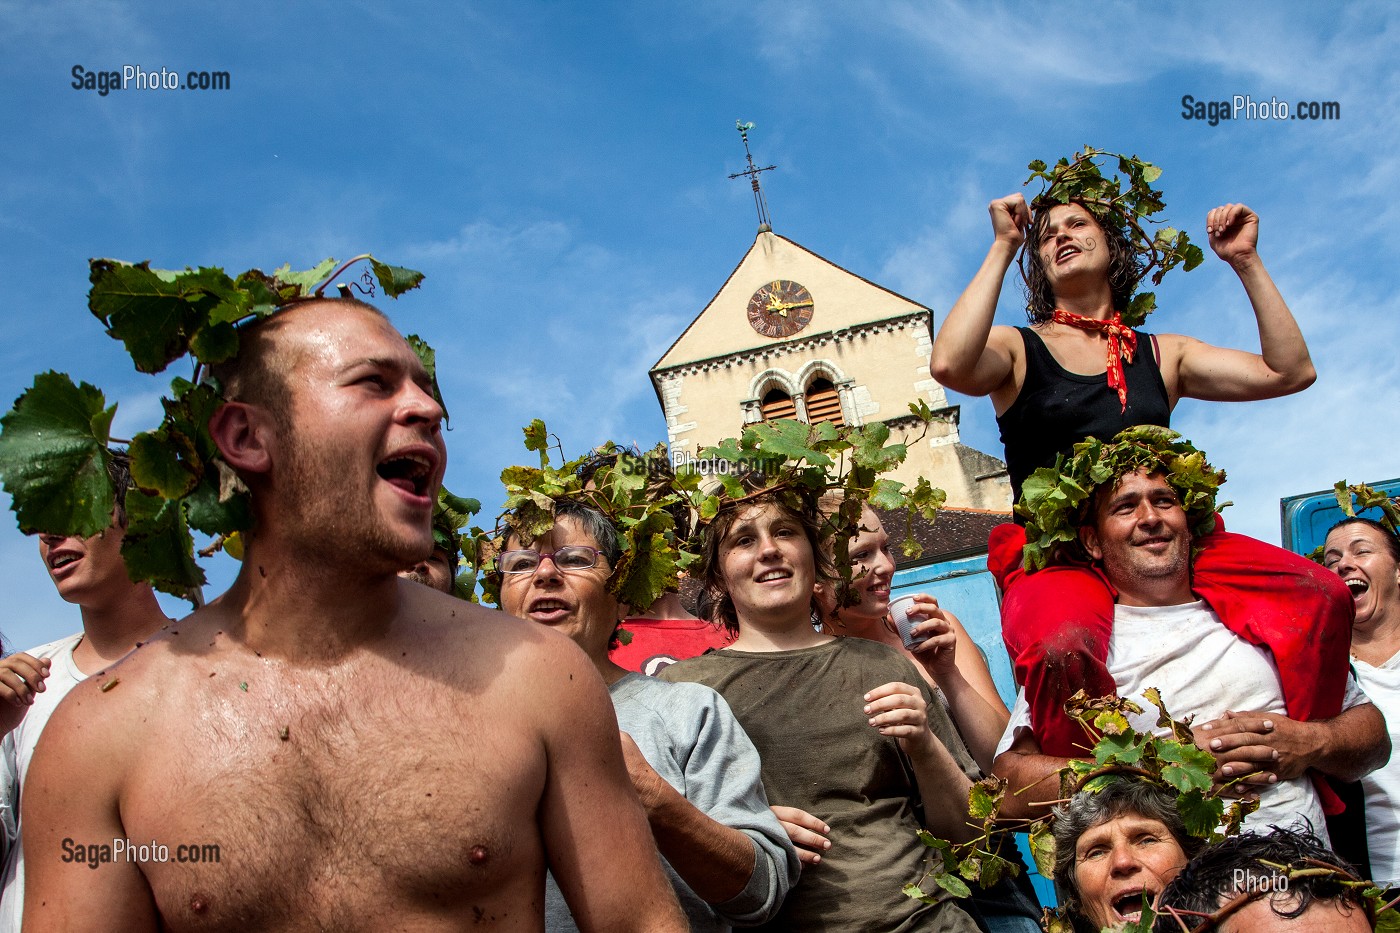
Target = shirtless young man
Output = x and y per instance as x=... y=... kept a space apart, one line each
x=361 y=759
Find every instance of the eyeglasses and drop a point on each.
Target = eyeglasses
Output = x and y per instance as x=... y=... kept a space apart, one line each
x=567 y=558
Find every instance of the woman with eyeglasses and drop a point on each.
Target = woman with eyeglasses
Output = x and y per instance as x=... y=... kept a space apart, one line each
x=728 y=859
x=857 y=753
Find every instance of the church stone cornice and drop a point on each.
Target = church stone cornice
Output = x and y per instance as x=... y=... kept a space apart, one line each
x=803 y=344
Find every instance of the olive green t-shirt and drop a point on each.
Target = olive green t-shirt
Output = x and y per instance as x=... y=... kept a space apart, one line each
x=803 y=709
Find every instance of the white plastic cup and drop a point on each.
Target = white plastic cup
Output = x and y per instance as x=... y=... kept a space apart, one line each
x=899 y=611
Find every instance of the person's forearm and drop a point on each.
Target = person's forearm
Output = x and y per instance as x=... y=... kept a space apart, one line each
x=1032 y=780
x=1352 y=744
x=979 y=722
x=715 y=860
x=1281 y=342
x=962 y=338
x=944 y=789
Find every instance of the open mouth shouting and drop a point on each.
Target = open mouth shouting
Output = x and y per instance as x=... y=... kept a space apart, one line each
x=413 y=471
x=1127 y=906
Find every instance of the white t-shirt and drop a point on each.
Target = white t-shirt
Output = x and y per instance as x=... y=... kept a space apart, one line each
x=1201 y=669
x=1382 y=787
x=18 y=749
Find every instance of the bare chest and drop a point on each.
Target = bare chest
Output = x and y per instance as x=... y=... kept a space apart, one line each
x=336 y=803
x=1076 y=351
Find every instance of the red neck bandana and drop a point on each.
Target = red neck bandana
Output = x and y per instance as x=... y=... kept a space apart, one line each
x=1122 y=343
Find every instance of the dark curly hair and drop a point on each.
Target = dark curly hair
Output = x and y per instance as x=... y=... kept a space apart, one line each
x=1244 y=864
x=1125 y=267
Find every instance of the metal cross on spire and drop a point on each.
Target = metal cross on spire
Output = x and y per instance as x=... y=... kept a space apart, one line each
x=764 y=226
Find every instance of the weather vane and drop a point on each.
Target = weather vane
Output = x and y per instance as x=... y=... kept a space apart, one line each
x=764 y=225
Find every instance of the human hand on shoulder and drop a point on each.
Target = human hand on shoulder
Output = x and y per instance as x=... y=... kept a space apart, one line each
x=898 y=710
x=807 y=833
x=1233 y=232
x=22 y=678
x=1010 y=219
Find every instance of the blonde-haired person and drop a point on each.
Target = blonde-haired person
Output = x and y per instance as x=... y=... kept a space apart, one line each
x=946 y=656
x=950 y=662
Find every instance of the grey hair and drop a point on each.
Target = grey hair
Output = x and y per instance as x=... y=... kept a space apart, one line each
x=595 y=524
x=1087 y=809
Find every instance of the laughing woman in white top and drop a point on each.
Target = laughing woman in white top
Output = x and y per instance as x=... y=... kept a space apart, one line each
x=1366 y=555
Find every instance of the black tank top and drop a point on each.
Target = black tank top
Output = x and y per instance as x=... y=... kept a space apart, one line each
x=1057 y=409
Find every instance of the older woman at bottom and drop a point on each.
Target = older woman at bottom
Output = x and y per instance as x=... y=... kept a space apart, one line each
x=1116 y=848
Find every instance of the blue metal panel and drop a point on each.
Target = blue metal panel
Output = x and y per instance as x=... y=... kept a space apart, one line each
x=965 y=588
x=1306 y=518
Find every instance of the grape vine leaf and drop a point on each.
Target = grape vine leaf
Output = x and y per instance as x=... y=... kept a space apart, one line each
x=304 y=281
x=537 y=439
x=428 y=357
x=395 y=280
x=793 y=440
x=54 y=457
x=164 y=462
x=154 y=313
x=157 y=546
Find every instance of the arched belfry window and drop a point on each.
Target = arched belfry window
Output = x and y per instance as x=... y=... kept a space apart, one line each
x=777 y=404
x=823 y=402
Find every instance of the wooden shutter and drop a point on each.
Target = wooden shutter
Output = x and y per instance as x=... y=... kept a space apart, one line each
x=823 y=402
x=778 y=404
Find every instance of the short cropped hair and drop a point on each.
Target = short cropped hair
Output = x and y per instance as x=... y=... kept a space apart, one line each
x=712 y=575
x=1392 y=542
x=1240 y=864
x=1125 y=267
x=257 y=373
x=1123 y=796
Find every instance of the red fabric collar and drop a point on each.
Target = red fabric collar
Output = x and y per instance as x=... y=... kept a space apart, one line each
x=1122 y=344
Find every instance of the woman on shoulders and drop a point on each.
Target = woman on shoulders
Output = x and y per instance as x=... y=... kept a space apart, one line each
x=1081 y=371
x=1081 y=272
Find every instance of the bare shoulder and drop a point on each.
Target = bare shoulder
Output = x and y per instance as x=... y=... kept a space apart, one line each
x=1008 y=340
x=100 y=718
x=514 y=654
x=1174 y=350
x=1173 y=346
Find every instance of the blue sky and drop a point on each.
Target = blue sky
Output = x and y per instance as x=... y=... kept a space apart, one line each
x=559 y=172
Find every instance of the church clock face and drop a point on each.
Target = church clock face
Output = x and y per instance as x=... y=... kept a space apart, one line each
x=780 y=309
